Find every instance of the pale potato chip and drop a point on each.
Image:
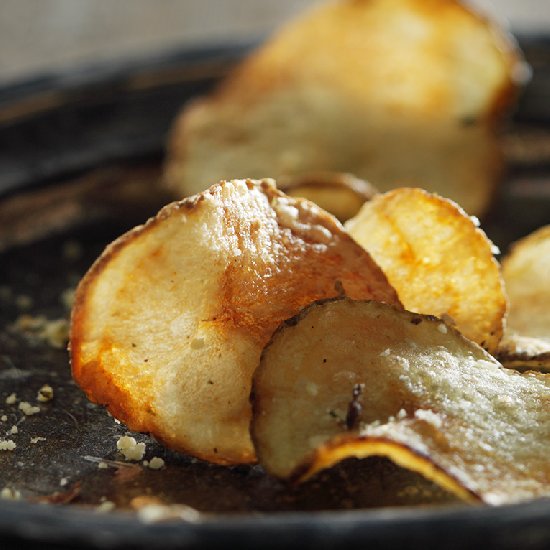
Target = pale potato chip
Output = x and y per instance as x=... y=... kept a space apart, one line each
x=526 y=273
x=340 y=194
x=524 y=352
x=401 y=92
x=437 y=259
x=347 y=378
x=169 y=323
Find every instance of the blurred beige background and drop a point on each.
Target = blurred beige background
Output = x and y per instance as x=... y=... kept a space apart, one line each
x=41 y=35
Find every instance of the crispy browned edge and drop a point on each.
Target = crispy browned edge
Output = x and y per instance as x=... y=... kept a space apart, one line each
x=176 y=146
x=307 y=469
x=310 y=467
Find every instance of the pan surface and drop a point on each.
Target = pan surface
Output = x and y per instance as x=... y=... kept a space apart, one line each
x=79 y=154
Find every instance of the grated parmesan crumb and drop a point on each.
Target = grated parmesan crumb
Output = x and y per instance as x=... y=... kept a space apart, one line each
x=63 y=481
x=13 y=430
x=385 y=353
x=7 y=493
x=35 y=440
x=11 y=399
x=442 y=328
x=102 y=465
x=4 y=418
x=54 y=332
x=28 y=409
x=7 y=445
x=45 y=394
x=131 y=450
x=156 y=463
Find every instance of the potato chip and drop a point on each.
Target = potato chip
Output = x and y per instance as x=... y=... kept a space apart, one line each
x=350 y=378
x=340 y=194
x=524 y=352
x=169 y=323
x=436 y=258
x=400 y=93
x=526 y=273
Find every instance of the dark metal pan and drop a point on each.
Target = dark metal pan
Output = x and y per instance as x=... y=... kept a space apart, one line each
x=79 y=155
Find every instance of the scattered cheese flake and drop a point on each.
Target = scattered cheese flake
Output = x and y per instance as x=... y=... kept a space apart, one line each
x=442 y=328
x=130 y=448
x=402 y=414
x=63 y=481
x=156 y=463
x=7 y=445
x=495 y=249
x=28 y=409
x=102 y=465
x=7 y=493
x=54 y=332
x=37 y=439
x=151 y=513
x=13 y=430
x=385 y=353
x=11 y=399
x=4 y=418
x=45 y=393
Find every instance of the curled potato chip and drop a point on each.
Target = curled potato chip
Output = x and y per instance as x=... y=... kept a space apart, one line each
x=406 y=92
x=526 y=273
x=169 y=323
x=340 y=194
x=436 y=258
x=347 y=378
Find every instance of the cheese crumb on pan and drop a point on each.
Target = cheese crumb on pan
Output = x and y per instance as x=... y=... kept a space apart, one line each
x=7 y=445
x=45 y=393
x=28 y=409
x=129 y=447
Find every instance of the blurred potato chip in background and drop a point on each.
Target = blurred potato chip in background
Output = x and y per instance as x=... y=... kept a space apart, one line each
x=397 y=92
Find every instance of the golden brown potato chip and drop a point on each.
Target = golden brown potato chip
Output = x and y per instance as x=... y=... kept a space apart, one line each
x=406 y=92
x=169 y=323
x=437 y=259
x=526 y=273
x=347 y=378
x=340 y=194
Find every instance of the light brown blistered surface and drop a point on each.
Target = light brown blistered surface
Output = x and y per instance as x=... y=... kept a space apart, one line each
x=428 y=399
x=399 y=92
x=436 y=258
x=169 y=323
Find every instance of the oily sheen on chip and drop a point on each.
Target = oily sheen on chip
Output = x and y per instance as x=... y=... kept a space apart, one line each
x=352 y=379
